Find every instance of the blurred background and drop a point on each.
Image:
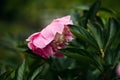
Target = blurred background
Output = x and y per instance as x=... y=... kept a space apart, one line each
x=27 y=16
x=24 y=17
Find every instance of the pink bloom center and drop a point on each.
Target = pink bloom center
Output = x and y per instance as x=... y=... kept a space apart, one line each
x=60 y=40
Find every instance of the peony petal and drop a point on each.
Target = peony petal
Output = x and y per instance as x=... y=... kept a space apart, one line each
x=39 y=41
x=68 y=34
x=41 y=53
x=57 y=28
x=33 y=36
x=64 y=20
x=118 y=70
x=50 y=31
x=45 y=52
x=58 y=54
x=31 y=46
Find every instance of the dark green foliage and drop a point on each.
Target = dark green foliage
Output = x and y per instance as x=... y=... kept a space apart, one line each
x=99 y=38
x=92 y=55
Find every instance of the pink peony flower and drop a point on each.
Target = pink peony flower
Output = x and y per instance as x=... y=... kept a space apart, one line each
x=118 y=70
x=47 y=42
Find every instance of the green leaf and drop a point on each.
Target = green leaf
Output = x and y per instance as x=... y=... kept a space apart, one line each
x=75 y=17
x=79 y=57
x=60 y=64
x=36 y=72
x=112 y=32
x=93 y=10
x=109 y=57
x=82 y=58
x=97 y=33
x=84 y=35
x=5 y=75
x=99 y=21
x=78 y=18
x=108 y=10
x=116 y=57
x=20 y=71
